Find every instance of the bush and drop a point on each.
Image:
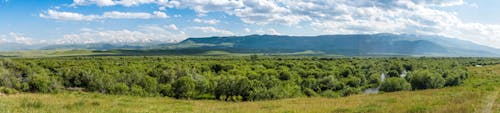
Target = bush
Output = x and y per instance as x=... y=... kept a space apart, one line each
x=8 y=91
x=43 y=83
x=454 y=78
x=349 y=91
x=310 y=92
x=393 y=73
x=138 y=90
x=423 y=79
x=330 y=94
x=184 y=87
x=330 y=83
x=395 y=84
x=166 y=90
x=119 y=88
x=374 y=80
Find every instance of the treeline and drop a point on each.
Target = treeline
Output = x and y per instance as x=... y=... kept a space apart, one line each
x=232 y=78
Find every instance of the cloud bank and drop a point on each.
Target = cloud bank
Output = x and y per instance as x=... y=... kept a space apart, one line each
x=144 y=34
x=322 y=16
x=60 y=15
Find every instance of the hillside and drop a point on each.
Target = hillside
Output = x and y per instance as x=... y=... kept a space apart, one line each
x=349 y=45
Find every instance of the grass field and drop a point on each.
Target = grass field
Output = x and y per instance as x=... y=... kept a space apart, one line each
x=478 y=94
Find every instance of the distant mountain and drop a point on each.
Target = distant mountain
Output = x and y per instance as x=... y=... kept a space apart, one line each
x=18 y=46
x=349 y=45
x=106 y=46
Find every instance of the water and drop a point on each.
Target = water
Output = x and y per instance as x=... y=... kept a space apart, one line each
x=375 y=90
x=403 y=75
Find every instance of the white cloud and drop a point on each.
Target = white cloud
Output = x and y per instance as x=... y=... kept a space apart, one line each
x=247 y=30
x=52 y=14
x=18 y=38
x=127 y=3
x=269 y=31
x=172 y=27
x=58 y=15
x=335 y=16
x=210 y=21
x=162 y=8
x=144 y=34
x=212 y=30
x=2 y=40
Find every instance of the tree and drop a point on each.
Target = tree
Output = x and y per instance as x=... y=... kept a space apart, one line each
x=424 y=79
x=393 y=73
x=184 y=87
x=395 y=84
x=43 y=83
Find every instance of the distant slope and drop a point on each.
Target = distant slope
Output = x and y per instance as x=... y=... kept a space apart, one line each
x=350 y=45
x=347 y=45
x=105 y=46
x=17 y=46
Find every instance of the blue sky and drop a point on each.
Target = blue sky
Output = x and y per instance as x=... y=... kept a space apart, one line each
x=130 y=21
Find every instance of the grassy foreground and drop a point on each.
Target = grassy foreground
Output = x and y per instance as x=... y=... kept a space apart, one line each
x=478 y=94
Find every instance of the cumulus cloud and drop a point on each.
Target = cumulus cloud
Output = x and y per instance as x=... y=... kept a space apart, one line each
x=270 y=31
x=247 y=30
x=213 y=31
x=172 y=27
x=127 y=3
x=144 y=34
x=334 y=16
x=61 y=15
x=19 y=38
x=210 y=21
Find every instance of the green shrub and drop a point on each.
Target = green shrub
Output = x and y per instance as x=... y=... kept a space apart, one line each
x=395 y=84
x=166 y=90
x=453 y=78
x=330 y=94
x=43 y=83
x=349 y=91
x=393 y=73
x=138 y=90
x=119 y=88
x=8 y=91
x=184 y=87
x=423 y=79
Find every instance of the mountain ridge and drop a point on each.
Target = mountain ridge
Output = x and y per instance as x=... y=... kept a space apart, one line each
x=350 y=45
x=384 y=44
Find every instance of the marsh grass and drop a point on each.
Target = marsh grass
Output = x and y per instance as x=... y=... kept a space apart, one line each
x=467 y=98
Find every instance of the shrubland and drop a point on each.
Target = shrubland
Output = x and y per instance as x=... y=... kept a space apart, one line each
x=232 y=78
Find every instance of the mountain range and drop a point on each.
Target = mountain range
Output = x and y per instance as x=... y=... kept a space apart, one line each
x=346 y=45
x=349 y=45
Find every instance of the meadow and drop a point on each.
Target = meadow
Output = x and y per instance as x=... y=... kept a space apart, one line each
x=248 y=84
x=478 y=94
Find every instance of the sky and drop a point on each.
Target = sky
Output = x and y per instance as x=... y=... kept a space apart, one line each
x=34 y=22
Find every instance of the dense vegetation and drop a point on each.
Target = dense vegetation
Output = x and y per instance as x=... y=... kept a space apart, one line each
x=232 y=78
